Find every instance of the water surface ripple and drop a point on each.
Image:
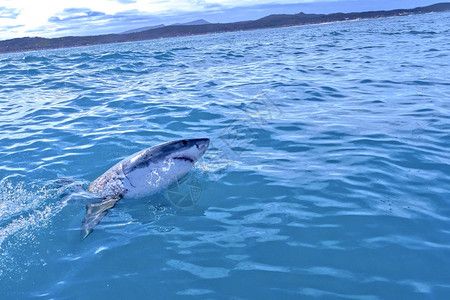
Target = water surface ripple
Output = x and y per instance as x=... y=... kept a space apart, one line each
x=328 y=173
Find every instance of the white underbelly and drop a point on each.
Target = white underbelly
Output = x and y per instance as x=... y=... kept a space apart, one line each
x=152 y=179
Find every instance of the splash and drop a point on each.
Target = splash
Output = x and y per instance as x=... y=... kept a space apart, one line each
x=15 y=201
x=24 y=209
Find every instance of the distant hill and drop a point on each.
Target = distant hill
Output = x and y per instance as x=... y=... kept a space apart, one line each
x=143 y=28
x=37 y=43
x=195 y=22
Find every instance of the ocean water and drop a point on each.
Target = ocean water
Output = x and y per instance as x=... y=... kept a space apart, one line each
x=328 y=173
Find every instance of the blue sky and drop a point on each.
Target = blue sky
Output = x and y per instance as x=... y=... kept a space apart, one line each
x=52 y=18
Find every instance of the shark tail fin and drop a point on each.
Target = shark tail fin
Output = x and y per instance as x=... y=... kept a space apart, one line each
x=95 y=213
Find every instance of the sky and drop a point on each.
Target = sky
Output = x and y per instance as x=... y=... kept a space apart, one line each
x=55 y=18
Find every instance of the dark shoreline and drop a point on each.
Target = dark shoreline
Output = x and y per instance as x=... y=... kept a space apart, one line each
x=271 y=21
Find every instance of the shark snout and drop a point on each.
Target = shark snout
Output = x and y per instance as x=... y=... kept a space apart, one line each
x=202 y=145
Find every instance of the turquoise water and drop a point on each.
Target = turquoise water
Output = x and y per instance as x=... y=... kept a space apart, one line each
x=328 y=173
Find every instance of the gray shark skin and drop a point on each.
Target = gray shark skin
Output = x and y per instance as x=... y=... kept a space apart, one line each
x=142 y=174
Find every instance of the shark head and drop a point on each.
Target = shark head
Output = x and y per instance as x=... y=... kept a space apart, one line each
x=188 y=150
x=158 y=167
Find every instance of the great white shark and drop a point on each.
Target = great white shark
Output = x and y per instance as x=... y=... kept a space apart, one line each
x=142 y=174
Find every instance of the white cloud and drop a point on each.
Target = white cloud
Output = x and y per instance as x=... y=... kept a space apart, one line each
x=35 y=14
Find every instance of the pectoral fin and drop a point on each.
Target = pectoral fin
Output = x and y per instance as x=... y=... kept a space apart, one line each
x=95 y=213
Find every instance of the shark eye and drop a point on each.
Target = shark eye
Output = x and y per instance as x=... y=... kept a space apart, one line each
x=184 y=142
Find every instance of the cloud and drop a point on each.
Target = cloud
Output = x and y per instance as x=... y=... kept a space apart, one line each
x=11 y=27
x=9 y=13
x=94 y=22
x=78 y=14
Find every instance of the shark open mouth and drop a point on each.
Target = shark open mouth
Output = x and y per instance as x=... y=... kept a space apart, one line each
x=185 y=158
